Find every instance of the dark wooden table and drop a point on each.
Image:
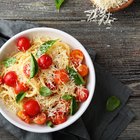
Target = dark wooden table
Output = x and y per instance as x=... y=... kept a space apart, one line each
x=118 y=48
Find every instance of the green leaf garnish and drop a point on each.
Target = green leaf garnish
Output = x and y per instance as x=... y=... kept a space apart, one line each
x=112 y=103
x=44 y=47
x=34 y=66
x=50 y=124
x=67 y=97
x=75 y=76
x=73 y=106
x=20 y=96
x=45 y=91
x=9 y=61
x=58 y=3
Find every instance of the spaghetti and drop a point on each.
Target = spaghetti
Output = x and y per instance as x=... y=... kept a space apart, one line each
x=53 y=88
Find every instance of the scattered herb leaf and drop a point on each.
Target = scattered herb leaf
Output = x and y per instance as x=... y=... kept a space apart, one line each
x=112 y=103
x=45 y=91
x=44 y=47
x=67 y=97
x=9 y=61
x=20 y=96
x=73 y=106
x=50 y=124
x=75 y=76
x=58 y=3
x=34 y=66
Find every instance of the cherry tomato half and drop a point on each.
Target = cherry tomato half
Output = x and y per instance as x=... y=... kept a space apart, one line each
x=82 y=70
x=23 y=116
x=40 y=119
x=23 y=44
x=82 y=94
x=51 y=85
x=61 y=76
x=1 y=80
x=20 y=87
x=10 y=79
x=59 y=118
x=45 y=61
x=31 y=108
x=76 y=56
x=26 y=70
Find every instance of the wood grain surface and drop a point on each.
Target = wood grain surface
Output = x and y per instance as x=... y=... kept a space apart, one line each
x=117 y=47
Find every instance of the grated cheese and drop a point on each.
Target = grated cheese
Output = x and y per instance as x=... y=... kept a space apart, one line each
x=99 y=14
x=60 y=52
x=107 y=4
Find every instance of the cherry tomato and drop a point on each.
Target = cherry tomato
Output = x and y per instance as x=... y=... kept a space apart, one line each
x=51 y=85
x=20 y=87
x=59 y=118
x=23 y=116
x=23 y=44
x=10 y=79
x=82 y=70
x=40 y=119
x=82 y=94
x=76 y=56
x=1 y=80
x=26 y=70
x=45 y=61
x=31 y=107
x=61 y=76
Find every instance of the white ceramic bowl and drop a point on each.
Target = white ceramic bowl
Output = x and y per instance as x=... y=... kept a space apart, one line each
x=9 y=48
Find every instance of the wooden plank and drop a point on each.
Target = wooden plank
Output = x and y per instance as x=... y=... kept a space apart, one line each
x=4 y=135
x=110 y=44
x=45 y=10
x=42 y=10
x=130 y=133
x=117 y=48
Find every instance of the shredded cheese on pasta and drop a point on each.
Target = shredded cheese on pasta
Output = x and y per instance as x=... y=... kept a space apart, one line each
x=60 y=54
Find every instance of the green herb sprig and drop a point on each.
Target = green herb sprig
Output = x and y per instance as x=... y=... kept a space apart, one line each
x=112 y=103
x=58 y=3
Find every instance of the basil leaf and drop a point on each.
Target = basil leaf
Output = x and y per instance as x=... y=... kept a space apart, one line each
x=73 y=106
x=9 y=61
x=45 y=91
x=75 y=76
x=34 y=66
x=50 y=124
x=67 y=97
x=20 y=96
x=44 y=47
x=112 y=103
x=58 y=3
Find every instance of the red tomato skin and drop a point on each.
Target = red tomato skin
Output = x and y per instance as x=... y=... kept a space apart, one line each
x=23 y=116
x=20 y=87
x=26 y=70
x=1 y=80
x=83 y=70
x=59 y=118
x=51 y=86
x=40 y=119
x=45 y=61
x=82 y=94
x=60 y=77
x=76 y=57
x=31 y=107
x=23 y=44
x=10 y=78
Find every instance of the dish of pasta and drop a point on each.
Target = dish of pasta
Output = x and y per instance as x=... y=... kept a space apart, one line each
x=45 y=81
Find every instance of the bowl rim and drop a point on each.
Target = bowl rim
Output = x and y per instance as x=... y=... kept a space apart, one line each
x=78 y=114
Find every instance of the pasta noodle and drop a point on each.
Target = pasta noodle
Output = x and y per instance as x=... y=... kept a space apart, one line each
x=60 y=54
